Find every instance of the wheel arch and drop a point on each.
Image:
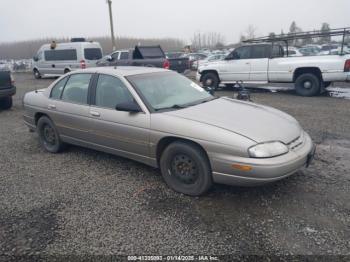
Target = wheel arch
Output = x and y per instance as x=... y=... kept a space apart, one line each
x=39 y=115
x=307 y=70
x=209 y=71
x=166 y=141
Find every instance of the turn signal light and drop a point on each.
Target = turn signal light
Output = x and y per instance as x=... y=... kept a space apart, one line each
x=242 y=167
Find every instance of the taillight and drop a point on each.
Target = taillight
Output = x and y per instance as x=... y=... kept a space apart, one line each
x=166 y=64
x=347 y=66
x=82 y=64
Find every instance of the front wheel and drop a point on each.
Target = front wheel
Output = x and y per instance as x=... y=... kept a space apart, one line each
x=37 y=74
x=48 y=135
x=210 y=80
x=6 y=103
x=186 y=169
x=308 y=85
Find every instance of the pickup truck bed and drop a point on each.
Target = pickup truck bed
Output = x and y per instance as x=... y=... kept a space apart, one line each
x=148 y=56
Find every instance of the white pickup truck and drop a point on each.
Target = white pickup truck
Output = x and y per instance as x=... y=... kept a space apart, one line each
x=267 y=63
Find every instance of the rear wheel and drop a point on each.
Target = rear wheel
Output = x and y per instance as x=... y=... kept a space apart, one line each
x=48 y=135
x=308 y=85
x=6 y=103
x=210 y=80
x=37 y=74
x=185 y=168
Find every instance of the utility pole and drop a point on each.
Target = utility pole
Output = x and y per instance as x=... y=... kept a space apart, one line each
x=111 y=22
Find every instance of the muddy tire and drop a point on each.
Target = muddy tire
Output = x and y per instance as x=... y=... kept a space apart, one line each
x=48 y=135
x=211 y=80
x=186 y=169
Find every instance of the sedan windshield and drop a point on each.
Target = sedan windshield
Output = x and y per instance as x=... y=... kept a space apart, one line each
x=168 y=90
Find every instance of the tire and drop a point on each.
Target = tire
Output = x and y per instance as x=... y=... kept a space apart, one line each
x=186 y=169
x=6 y=103
x=211 y=80
x=48 y=135
x=327 y=84
x=308 y=85
x=37 y=74
x=66 y=71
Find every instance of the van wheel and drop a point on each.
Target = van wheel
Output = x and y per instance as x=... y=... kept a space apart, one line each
x=66 y=71
x=48 y=135
x=210 y=80
x=308 y=85
x=37 y=74
x=185 y=168
x=6 y=103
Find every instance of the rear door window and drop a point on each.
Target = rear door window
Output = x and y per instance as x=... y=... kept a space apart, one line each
x=76 y=89
x=92 y=53
x=124 y=56
x=260 y=51
x=243 y=52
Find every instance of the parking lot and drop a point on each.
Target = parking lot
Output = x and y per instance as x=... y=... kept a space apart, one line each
x=85 y=202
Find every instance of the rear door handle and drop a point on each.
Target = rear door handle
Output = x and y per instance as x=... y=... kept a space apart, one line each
x=94 y=113
x=51 y=107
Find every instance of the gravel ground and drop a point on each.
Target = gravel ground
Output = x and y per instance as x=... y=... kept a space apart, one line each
x=85 y=202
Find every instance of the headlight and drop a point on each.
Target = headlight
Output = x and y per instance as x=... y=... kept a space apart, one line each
x=266 y=150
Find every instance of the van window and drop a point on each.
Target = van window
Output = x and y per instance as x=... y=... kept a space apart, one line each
x=61 y=55
x=76 y=89
x=92 y=53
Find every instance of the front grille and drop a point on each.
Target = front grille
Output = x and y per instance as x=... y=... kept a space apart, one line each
x=296 y=143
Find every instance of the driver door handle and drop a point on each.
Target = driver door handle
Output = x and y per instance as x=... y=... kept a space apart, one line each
x=51 y=107
x=94 y=113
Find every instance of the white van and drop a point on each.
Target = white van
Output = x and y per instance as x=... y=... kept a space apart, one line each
x=61 y=58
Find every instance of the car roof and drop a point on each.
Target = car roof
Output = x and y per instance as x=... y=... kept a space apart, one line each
x=122 y=71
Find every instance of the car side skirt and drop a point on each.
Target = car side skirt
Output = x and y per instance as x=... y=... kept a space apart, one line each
x=139 y=158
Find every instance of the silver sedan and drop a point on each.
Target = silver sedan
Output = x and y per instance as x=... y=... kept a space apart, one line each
x=165 y=120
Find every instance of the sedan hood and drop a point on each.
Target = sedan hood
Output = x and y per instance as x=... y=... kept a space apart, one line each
x=256 y=122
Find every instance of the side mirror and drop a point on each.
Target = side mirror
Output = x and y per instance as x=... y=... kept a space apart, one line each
x=36 y=58
x=130 y=106
x=109 y=58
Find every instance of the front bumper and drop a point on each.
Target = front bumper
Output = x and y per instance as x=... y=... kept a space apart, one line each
x=262 y=171
x=8 y=92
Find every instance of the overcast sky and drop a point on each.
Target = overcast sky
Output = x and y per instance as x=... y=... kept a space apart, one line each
x=28 y=19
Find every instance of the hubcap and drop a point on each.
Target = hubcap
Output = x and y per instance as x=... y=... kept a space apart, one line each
x=307 y=84
x=49 y=135
x=209 y=82
x=184 y=169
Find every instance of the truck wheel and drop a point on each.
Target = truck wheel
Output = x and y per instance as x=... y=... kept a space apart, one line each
x=308 y=85
x=210 y=80
x=48 y=135
x=6 y=103
x=185 y=168
x=37 y=74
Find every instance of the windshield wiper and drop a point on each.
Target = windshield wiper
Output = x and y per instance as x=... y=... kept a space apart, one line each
x=171 y=107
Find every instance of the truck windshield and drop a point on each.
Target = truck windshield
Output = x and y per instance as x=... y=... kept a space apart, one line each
x=92 y=53
x=168 y=90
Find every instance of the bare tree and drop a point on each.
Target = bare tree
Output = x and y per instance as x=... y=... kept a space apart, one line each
x=27 y=49
x=207 y=40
